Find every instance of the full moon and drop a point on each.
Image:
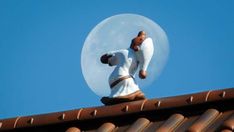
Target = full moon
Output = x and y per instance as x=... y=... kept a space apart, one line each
x=114 y=33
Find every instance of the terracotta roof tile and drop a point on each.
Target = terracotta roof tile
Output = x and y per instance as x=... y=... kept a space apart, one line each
x=171 y=123
x=73 y=129
x=204 y=120
x=229 y=123
x=138 y=125
x=205 y=111
x=106 y=127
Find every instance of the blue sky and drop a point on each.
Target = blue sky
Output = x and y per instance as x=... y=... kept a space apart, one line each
x=41 y=43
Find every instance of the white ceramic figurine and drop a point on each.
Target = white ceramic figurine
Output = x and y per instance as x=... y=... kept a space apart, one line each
x=126 y=62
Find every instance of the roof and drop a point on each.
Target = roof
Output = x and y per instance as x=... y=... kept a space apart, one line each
x=205 y=111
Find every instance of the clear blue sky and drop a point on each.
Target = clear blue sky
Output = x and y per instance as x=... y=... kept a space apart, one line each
x=41 y=43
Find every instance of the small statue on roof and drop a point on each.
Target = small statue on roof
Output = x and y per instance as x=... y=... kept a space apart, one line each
x=127 y=61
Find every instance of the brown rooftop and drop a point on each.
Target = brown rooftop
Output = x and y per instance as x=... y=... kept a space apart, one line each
x=205 y=111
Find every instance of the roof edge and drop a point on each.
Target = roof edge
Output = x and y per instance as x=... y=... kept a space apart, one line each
x=118 y=109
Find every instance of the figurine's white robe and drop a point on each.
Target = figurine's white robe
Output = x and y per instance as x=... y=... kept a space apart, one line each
x=127 y=62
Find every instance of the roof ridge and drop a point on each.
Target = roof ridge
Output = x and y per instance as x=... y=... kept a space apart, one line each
x=118 y=109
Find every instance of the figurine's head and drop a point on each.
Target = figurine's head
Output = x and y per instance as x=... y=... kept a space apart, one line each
x=142 y=34
x=137 y=41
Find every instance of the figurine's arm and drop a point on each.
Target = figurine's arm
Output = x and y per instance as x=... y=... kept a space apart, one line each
x=143 y=68
x=147 y=50
x=109 y=58
x=104 y=58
